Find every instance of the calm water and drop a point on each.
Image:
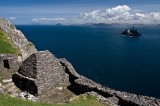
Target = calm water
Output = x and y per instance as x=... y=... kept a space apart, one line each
x=102 y=54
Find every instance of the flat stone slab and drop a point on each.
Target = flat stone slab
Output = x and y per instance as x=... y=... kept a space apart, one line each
x=7 y=80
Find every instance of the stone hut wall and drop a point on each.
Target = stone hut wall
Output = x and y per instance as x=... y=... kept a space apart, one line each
x=45 y=70
x=29 y=67
x=12 y=61
x=50 y=72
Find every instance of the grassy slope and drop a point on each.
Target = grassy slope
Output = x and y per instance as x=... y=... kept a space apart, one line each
x=7 y=47
x=80 y=101
x=6 y=44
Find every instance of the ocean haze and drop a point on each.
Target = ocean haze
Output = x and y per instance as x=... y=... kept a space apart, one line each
x=104 y=55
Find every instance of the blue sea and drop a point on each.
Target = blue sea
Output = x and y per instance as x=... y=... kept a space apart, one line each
x=102 y=54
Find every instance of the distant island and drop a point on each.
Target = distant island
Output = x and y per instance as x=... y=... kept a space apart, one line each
x=131 y=32
x=41 y=77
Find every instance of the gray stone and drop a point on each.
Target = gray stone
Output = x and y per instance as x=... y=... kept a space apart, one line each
x=81 y=85
x=12 y=61
x=41 y=71
x=27 y=96
x=1 y=90
x=25 y=47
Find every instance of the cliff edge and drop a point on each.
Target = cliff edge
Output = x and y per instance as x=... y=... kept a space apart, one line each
x=25 y=47
x=41 y=76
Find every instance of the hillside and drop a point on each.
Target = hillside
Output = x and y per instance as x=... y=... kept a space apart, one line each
x=40 y=76
x=6 y=45
x=13 y=42
x=13 y=38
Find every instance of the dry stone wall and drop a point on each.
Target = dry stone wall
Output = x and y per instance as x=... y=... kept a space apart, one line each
x=82 y=85
x=45 y=70
x=41 y=71
x=10 y=60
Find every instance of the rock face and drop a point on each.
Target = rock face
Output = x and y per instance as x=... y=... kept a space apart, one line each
x=40 y=72
x=25 y=47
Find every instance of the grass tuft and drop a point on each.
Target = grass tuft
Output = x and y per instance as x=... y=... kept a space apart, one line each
x=6 y=46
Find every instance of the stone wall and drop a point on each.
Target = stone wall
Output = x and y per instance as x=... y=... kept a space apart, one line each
x=50 y=73
x=29 y=67
x=41 y=71
x=45 y=70
x=25 y=47
x=12 y=61
x=81 y=85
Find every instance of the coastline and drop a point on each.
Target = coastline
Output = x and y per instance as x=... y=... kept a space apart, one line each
x=81 y=85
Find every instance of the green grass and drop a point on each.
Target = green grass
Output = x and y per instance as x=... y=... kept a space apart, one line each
x=79 y=101
x=85 y=101
x=6 y=45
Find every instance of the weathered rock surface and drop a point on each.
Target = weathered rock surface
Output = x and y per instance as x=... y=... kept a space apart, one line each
x=25 y=47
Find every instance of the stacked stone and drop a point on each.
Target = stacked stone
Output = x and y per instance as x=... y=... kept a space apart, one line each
x=45 y=70
x=81 y=85
x=12 y=61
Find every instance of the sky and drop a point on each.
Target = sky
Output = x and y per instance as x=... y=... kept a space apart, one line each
x=80 y=11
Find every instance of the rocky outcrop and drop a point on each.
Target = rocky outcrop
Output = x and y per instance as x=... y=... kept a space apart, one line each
x=25 y=47
x=40 y=72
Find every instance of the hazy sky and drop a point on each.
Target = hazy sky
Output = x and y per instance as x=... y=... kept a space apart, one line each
x=80 y=11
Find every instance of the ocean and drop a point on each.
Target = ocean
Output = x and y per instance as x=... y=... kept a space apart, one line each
x=101 y=53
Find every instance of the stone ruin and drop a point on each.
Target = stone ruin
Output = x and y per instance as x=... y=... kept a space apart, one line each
x=43 y=71
x=9 y=61
x=40 y=72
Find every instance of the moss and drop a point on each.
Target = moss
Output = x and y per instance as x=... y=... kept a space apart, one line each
x=6 y=45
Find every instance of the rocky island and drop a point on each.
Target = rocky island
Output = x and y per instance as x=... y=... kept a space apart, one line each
x=41 y=76
x=131 y=32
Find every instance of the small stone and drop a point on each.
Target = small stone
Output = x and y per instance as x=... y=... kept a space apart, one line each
x=7 y=80
x=1 y=90
x=60 y=88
